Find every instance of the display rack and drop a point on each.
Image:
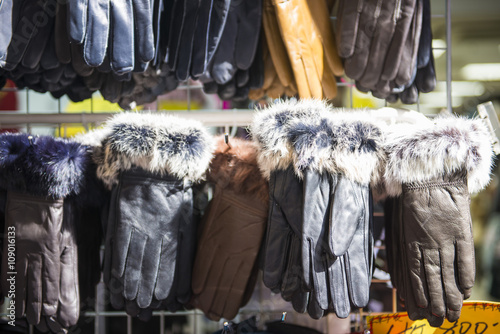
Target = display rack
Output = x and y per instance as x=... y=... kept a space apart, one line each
x=220 y=118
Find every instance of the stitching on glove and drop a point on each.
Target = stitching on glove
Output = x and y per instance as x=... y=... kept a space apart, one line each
x=408 y=187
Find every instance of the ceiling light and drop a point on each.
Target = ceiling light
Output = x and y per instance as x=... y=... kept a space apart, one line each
x=481 y=72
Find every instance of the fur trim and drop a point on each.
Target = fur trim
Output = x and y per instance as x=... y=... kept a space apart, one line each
x=307 y=134
x=417 y=153
x=155 y=143
x=235 y=167
x=46 y=166
x=92 y=138
x=269 y=131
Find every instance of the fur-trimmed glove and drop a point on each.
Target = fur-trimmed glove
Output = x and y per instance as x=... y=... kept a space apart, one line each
x=41 y=174
x=232 y=231
x=433 y=170
x=150 y=162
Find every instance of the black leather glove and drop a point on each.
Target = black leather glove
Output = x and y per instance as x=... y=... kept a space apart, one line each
x=124 y=28
x=157 y=174
x=239 y=40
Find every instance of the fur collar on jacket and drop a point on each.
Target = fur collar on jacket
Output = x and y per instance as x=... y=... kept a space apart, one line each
x=419 y=153
x=235 y=167
x=313 y=136
x=156 y=143
x=42 y=166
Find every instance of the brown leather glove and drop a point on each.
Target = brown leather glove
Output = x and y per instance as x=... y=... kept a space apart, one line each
x=307 y=36
x=232 y=231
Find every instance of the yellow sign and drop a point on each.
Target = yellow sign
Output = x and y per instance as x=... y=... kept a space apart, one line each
x=476 y=318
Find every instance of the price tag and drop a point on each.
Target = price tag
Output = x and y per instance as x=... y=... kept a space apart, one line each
x=476 y=318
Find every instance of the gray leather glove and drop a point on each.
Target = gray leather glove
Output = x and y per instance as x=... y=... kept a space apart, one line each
x=124 y=28
x=434 y=185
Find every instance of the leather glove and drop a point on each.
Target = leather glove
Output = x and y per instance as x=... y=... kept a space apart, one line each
x=435 y=217
x=124 y=28
x=202 y=27
x=226 y=258
x=238 y=42
x=39 y=175
x=157 y=270
x=314 y=61
x=6 y=16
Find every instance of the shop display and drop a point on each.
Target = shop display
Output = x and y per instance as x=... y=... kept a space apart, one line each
x=298 y=196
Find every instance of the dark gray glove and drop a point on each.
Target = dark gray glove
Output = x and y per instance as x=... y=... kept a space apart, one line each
x=124 y=28
x=239 y=40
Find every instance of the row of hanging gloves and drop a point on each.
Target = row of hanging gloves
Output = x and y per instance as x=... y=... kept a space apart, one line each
x=134 y=51
x=298 y=194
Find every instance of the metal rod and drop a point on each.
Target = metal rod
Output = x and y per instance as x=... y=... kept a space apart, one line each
x=448 y=55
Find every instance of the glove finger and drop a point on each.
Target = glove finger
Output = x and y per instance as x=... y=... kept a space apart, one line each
x=292 y=278
x=97 y=32
x=339 y=294
x=329 y=84
x=465 y=266
x=122 y=240
x=417 y=276
x=278 y=57
x=426 y=77
x=148 y=276
x=34 y=291
x=176 y=26
x=134 y=264
x=20 y=281
x=433 y=278
x=227 y=90
x=225 y=294
x=78 y=13
x=300 y=300
x=249 y=23
x=398 y=44
x=409 y=95
x=38 y=43
x=454 y=298
x=348 y=15
x=49 y=58
x=198 y=56
x=78 y=62
x=116 y=294
x=143 y=28
x=425 y=43
x=166 y=271
x=276 y=90
x=408 y=64
x=356 y=64
x=224 y=66
x=122 y=37
x=242 y=78
x=69 y=299
x=186 y=40
x=321 y=16
x=380 y=43
x=132 y=308
x=347 y=211
x=314 y=309
x=6 y=17
x=61 y=33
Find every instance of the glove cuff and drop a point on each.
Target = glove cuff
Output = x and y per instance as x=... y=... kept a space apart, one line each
x=42 y=165
x=156 y=143
x=422 y=153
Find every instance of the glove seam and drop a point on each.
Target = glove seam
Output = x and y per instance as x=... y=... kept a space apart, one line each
x=409 y=187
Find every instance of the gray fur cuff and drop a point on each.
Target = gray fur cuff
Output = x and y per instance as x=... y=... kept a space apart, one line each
x=422 y=152
x=307 y=134
x=156 y=143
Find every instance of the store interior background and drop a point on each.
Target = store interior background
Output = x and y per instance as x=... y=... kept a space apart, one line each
x=476 y=79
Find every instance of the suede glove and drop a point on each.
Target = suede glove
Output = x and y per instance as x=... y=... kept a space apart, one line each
x=435 y=222
x=122 y=28
x=226 y=258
